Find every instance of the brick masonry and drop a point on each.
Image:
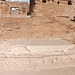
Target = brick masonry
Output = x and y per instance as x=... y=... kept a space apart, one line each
x=5 y=8
x=23 y=7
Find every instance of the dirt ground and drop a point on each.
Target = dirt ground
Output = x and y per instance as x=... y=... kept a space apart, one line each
x=63 y=71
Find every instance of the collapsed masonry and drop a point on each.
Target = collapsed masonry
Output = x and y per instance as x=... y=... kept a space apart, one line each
x=9 y=8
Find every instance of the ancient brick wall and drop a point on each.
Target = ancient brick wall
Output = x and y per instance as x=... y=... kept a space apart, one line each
x=5 y=8
x=53 y=0
x=23 y=7
x=52 y=9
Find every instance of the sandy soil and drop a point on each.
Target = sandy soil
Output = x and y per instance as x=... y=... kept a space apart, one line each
x=46 y=54
x=59 y=71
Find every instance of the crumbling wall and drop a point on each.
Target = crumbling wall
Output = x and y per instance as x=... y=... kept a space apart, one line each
x=5 y=8
x=44 y=1
x=24 y=8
